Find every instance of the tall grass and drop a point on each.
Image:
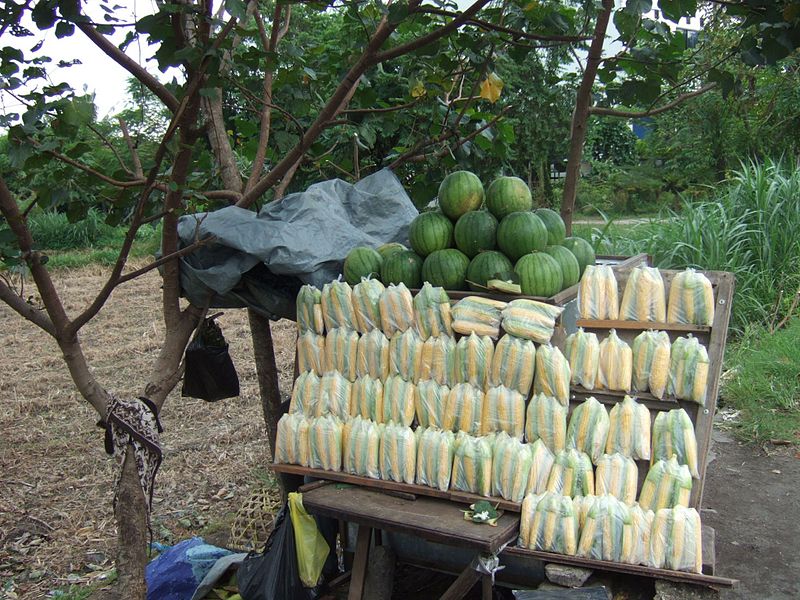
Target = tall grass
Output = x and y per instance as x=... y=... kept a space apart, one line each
x=53 y=231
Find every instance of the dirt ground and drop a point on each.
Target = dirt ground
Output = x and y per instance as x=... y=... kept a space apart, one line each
x=56 y=524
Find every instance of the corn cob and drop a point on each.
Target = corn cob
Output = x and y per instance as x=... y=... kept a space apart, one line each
x=513 y=364
x=341 y=352
x=531 y=320
x=366 y=304
x=603 y=531
x=405 y=354
x=360 y=446
x=305 y=393
x=617 y=475
x=511 y=465
x=438 y=360
x=311 y=353
x=668 y=484
x=635 y=552
x=673 y=435
x=582 y=505
x=325 y=435
x=366 y=398
x=526 y=517
x=398 y=401
x=398 y=453
x=651 y=362
x=629 y=430
x=503 y=410
x=644 y=298
x=691 y=299
x=552 y=374
x=546 y=419
x=464 y=408
x=675 y=540
x=598 y=297
x=481 y=316
x=397 y=309
x=334 y=396
x=474 y=360
x=688 y=370
x=435 y=451
x=337 y=306
x=541 y=465
x=372 y=357
x=430 y=402
x=572 y=474
x=432 y=312
x=292 y=444
x=309 y=310
x=615 y=369
x=549 y=523
x=583 y=354
x=588 y=428
x=472 y=464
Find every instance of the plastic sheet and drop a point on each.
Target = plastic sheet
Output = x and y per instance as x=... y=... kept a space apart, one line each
x=513 y=364
x=366 y=398
x=305 y=394
x=503 y=410
x=309 y=310
x=541 y=465
x=598 y=297
x=472 y=464
x=439 y=360
x=435 y=452
x=673 y=435
x=478 y=315
x=615 y=370
x=602 y=536
x=588 y=428
x=511 y=466
x=572 y=474
x=292 y=442
x=676 y=540
x=688 y=370
x=361 y=440
x=430 y=403
x=464 y=409
x=341 y=352
x=691 y=299
x=398 y=400
x=325 y=435
x=644 y=298
x=531 y=320
x=373 y=355
x=546 y=419
x=636 y=553
x=474 y=359
x=651 y=351
x=548 y=522
x=552 y=374
x=629 y=430
x=398 y=453
x=432 y=312
x=337 y=306
x=405 y=355
x=668 y=484
x=397 y=309
x=582 y=350
x=617 y=475
x=334 y=396
x=366 y=304
x=311 y=353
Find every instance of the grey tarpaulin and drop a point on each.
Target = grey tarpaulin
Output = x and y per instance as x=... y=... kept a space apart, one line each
x=261 y=259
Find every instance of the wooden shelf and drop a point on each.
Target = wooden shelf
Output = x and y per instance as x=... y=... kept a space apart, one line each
x=613 y=397
x=643 y=325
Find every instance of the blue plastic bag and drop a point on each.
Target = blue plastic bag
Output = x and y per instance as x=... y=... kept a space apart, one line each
x=169 y=576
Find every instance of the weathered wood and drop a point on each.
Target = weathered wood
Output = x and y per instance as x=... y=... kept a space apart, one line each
x=462 y=585
x=307 y=487
x=486 y=587
x=640 y=325
x=359 y=572
x=592 y=593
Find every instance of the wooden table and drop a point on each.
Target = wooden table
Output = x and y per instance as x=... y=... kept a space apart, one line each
x=431 y=519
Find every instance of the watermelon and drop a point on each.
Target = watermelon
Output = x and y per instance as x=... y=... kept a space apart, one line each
x=556 y=230
x=475 y=232
x=520 y=233
x=429 y=232
x=459 y=193
x=506 y=195
x=582 y=250
x=361 y=262
x=402 y=267
x=446 y=268
x=570 y=269
x=539 y=274
x=386 y=250
x=486 y=266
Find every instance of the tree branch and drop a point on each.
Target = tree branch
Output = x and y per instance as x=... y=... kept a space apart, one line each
x=137 y=163
x=164 y=260
x=25 y=309
x=632 y=114
x=388 y=109
x=110 y=146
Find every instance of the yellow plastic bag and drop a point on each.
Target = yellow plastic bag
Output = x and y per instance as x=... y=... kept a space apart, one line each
x=312 y=549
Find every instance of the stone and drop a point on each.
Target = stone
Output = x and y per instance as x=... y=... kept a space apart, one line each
x=566 y=575
x=380 y=574
x=668 y=590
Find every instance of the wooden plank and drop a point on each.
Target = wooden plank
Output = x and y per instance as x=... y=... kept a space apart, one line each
x=640 y=325
x=592 y=593
x=359 y=572
x=486 y=587
x=462 y=585
x=709 y=550
x=613 y=397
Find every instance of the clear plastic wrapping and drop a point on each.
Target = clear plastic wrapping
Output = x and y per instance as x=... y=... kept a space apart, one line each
x=598 y=297
x=572 y=474
x=541 y=465
x=673 y=435
x=373 y=355
x=615 y=369
x=474 y=359
x=688 y=370
x=398 y=400
x=361 y=440
x=676 y=540
x=651 y=351
x=531 y=320
x=309 y=310
x=583 y=505
x=629 y=429
x=334 y=396
x=636 y=552
x=366 y=304
x=503 y=410
x=513 y=364
x=478 y=315
x=341 y=352
x=583 y=355
x=602 y=536
x=588 y=428
x=439 y=360
x=511 y=466
x=464 y=408
x=691 y=299
x=325 y=440
x=435 y=451
x=546 y=420
x=667 y=484
x=548 y=522
x=292 y=444
x=432 y=312
x=644 y=298
x=311 y=352
x=398 y=453
x=430 y=403
x=305 y=394
x=337 y=306
x=397 y=309
x=405 y=354
x=552 y=374
x=472 y=464
x=366 y=398
x=617 y=475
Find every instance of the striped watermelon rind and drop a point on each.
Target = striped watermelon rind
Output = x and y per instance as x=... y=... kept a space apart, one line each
x=570 y=268
x=582 y=250
x=475 y=232
x=402 y=267
x=556 y=230
x=459 y=193
x=446 y=268
x=486 y=266
x=539 y=274
x=386 y=250
x=506 y=195
x=361 y=262
x=429 y=232
x=521 y=233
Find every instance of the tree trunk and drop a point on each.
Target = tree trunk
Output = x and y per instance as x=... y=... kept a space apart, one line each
x=267 y=372
x=132 y=534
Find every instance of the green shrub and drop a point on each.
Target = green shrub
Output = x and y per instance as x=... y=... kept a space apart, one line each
x=53 y=231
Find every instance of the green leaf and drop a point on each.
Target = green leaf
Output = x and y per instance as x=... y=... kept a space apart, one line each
x=674 y=10
x=638 y=7
x=44 y=14
x=64 y=29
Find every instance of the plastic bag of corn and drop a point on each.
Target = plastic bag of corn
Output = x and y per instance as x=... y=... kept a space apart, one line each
x=309 y=310
x=583 y=505
x=398 y=400
x=478 y=315
x=341 y=352
x=583 y=354
x=474 y=359
x=691 y=299
x=464 y=409
x=629 y=429
x=292 y=444
x=397 y=309
x=651 y=362
x=552 y=374
x=405 y=354
x=676 y=540
x=305 y=394
x=673 y=435
x=546 y=420
x=373 y=355
x=366 y=398
x=617 y=475
x=531 y=320
x=548 y=522
x=602 y=536
x=398 y=453
x=439 y=360
x=334 y=396
x=668 y=484
x=325 y=440
x=598 y=297
x=588 y=428
x=311 y=353
x=688 y=370
x=644 y=298
x=636 y=551
x=337 y=306
x=572 y=474
x=361 y=440
x=503 y=410
x=511 y=466
x=513 y=364
x=432 y=312
x=366 y=304
x=430 y=402
x=541 y=465
x=615 y=369
x=472 y=464
x=435 y=451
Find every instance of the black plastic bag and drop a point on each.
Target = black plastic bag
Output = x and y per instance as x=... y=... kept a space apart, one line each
x=273 y=574
x=210 y=374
